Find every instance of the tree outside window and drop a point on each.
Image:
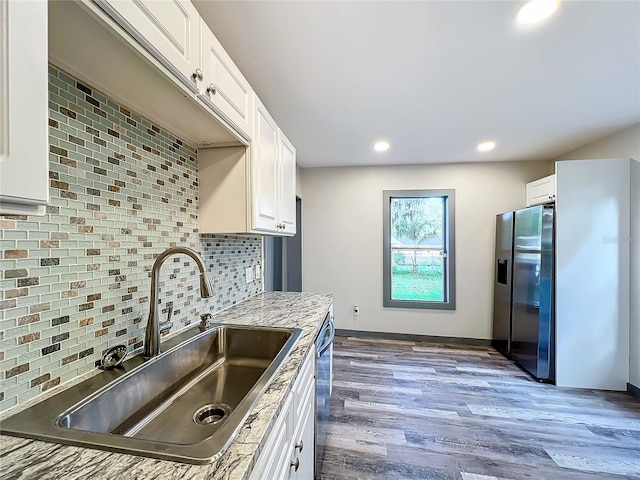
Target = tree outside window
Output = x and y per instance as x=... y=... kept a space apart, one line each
x=418 y=249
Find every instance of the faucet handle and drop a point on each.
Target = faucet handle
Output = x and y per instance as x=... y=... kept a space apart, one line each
x=165 y=327
x=204 y=321
x=167 y=324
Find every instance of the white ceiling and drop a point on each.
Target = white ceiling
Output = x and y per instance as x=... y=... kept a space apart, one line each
x=435 y=78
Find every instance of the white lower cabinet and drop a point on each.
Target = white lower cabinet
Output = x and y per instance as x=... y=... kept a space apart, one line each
x=304 y=440
x=289 y=452
x=273 y=463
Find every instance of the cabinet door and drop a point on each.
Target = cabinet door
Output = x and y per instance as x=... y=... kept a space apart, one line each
x=223 y=86
x=304 y=439
x=287 y=205
x=541 y=191
x=274 y=460
x=264 y=163
x=170 y=30
x=24 y=157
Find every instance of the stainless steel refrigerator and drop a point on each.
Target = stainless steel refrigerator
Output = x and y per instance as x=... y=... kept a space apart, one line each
x=529 y=308
x=502 y=289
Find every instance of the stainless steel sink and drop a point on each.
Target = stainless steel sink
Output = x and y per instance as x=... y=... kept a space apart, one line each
x=186 y=404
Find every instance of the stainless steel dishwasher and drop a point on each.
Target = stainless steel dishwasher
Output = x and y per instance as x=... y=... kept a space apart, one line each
x=324 y=376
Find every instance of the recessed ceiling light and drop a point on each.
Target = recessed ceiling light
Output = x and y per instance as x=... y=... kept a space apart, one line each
x=486 y=146
x=535 y=11
x=381 y=146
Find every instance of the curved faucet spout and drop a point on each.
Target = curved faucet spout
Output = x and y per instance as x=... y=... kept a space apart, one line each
x=152 y=333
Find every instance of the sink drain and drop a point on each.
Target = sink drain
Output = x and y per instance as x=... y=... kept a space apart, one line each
x=211 y=414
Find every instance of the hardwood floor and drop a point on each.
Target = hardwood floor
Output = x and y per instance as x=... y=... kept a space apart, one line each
x=414 y=410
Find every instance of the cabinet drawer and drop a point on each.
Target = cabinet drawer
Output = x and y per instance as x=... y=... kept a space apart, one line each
x=304 y=437
x=304 y=382
x=306 y=403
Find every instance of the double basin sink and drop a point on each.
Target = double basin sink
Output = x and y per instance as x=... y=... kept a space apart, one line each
x=186 y=404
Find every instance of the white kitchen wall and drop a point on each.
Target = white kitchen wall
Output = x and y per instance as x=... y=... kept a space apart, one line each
x=298 y=181
x=621 y=144
x=625 y=144
x=342 y=251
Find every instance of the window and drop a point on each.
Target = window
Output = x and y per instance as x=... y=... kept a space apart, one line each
x=419 y=260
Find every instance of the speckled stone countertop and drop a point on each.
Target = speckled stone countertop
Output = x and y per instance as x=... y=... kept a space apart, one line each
x=31 y=459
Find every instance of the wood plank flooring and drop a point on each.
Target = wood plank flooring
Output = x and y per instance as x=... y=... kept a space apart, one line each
x=415 y=410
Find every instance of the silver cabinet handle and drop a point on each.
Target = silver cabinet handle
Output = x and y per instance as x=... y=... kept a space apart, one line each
x=299 y=446
x=295 y=465
x=197 y=75
x=211 y=89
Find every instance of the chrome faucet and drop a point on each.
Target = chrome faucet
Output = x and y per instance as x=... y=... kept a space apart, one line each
x=152 y=334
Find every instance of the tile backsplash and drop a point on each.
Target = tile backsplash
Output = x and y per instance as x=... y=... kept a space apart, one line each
x=77 y=280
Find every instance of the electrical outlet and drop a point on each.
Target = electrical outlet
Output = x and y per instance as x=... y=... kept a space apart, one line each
x=356 y=310
x=258 y=271
x=249 y=274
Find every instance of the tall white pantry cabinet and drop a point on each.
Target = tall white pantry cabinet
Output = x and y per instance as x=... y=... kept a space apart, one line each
x=597 y=273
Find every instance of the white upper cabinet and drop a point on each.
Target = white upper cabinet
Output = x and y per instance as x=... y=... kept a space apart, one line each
x=541 y=191
x=176 y=37
x=287 y=200
x=176 y=73
x=223 y=86
x=264 y=159
x=249 y=190
x=169 y=29
x=274 y=176
x=24 y=157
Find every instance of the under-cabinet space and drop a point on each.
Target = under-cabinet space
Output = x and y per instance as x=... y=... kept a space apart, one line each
x=86 y=42
x=168 y=30
x=224 y=178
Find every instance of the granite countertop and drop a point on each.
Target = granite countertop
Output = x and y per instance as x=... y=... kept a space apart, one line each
x=27 y=459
